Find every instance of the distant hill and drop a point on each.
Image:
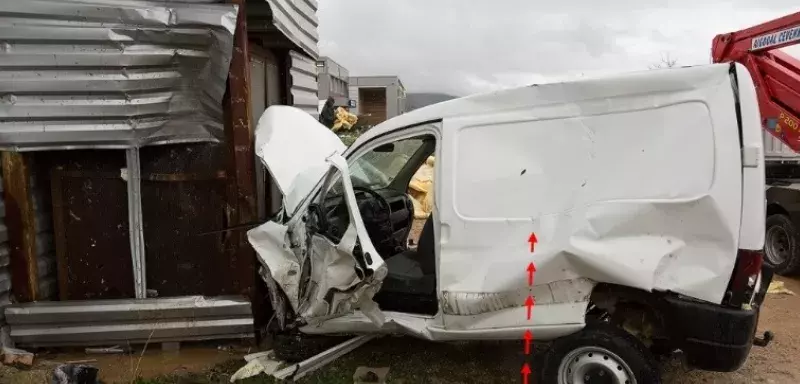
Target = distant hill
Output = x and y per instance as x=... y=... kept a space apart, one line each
x=419 y=100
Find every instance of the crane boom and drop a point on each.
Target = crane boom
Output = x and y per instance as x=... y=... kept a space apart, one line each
x=776 y=74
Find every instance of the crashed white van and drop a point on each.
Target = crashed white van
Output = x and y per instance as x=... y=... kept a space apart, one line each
x=645 y=193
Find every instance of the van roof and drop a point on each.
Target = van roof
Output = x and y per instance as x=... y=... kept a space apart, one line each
x=637 y=85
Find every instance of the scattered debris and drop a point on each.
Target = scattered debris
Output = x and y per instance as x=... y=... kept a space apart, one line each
x=105 y=351
x=369 y=375
x=75 y=374
x=85 y=361
x=259 y=355
x=297 y=371
x=777 y=287
x=17 y=357
x=266 y=362
x=258 y=363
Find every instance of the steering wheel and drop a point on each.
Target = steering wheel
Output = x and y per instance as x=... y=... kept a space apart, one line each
x=383 y=205
x=377 y=196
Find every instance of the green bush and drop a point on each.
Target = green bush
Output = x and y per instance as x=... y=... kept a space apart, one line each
x=349 y=137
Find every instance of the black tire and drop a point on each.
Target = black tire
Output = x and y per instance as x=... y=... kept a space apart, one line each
x=641 y=363
x=296 y=347
x=781 y=245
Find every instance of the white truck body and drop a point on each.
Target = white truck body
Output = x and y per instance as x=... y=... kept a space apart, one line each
x=639 y=180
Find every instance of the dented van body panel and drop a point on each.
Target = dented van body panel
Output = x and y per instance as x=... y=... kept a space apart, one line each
x=633 y=180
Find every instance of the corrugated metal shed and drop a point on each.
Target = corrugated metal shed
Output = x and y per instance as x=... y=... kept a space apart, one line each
x=297 y=20
x=303 y=77
x=112 y=74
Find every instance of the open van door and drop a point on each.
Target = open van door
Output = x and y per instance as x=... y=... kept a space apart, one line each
x=318 y=278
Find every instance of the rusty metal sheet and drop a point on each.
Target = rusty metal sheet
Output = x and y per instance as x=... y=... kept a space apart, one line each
x=90 y=216
x=184 y=192
x=180 y=260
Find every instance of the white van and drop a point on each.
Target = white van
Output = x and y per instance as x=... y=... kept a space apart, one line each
x=638 y=199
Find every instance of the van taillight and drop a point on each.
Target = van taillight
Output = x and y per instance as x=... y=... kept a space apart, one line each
x=745 y=276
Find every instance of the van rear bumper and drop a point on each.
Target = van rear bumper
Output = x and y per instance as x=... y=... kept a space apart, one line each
x=713 y=337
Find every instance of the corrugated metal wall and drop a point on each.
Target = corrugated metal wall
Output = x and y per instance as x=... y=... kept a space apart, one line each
x=115 y=74
x=303 y=83
x=297 y=20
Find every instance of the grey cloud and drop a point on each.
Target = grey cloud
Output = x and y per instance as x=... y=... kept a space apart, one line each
x=463 y=47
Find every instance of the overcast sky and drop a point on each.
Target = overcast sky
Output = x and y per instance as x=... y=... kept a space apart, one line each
x=467 y=46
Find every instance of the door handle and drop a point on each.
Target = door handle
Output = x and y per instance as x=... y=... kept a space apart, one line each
x=444 y=233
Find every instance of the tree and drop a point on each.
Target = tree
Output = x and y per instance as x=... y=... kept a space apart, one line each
x=666 y=62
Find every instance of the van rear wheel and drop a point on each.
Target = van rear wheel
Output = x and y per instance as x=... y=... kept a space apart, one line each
x=780 y=245
x=600 y=353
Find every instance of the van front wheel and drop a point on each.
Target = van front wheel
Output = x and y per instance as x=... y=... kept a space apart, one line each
x=600 y=353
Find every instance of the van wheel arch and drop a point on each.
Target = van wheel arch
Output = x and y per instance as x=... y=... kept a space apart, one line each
x=634 y=311
x=600 y=349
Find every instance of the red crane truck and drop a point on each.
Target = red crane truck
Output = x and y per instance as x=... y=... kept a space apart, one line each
x=776 y=75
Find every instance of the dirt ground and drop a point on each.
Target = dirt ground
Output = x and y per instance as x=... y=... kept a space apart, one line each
x=778 y=362
x=416 y=361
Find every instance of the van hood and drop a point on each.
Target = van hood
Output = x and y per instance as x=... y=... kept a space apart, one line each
x=294 y=146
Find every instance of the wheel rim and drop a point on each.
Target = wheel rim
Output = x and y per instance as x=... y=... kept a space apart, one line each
x=594 y=365
x=777 y=249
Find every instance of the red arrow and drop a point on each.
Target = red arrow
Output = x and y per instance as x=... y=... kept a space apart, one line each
x=526 y=371
x=530 y=303
x=532 y=239
x=528 y=336
x=531 y=269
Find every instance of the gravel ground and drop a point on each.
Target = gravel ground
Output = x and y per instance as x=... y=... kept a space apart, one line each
x=777 y=363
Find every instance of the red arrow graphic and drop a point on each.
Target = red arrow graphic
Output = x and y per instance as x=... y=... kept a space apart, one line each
x=531 y=269
x=532 y=239
x=528 y=336
x=526 y=371
x=530 y=302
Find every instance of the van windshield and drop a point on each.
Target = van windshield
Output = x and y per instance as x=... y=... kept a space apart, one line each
x=377 y=168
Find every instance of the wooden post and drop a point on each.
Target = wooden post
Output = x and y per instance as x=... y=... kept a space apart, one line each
x=21 y=223
x=242 y=208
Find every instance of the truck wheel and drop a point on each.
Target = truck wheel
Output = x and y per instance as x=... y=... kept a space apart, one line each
x=600 y=353
x=780 y=245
